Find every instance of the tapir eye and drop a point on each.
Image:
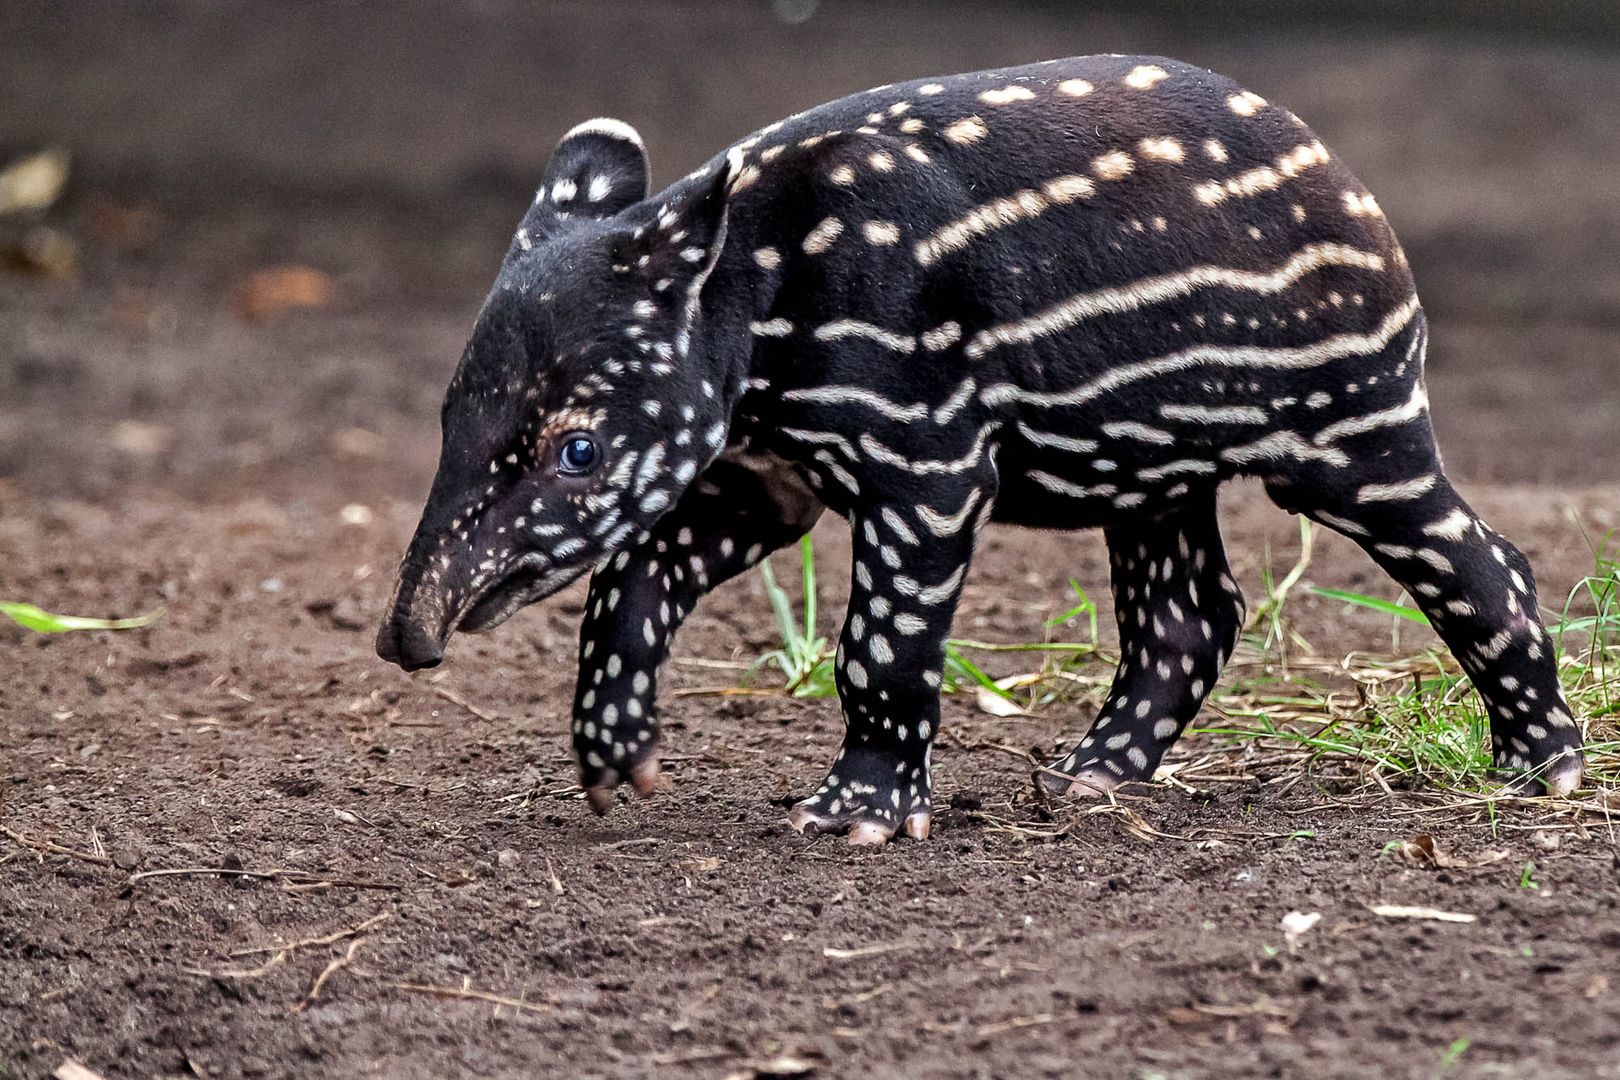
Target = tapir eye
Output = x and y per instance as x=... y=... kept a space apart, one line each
x=579 y=455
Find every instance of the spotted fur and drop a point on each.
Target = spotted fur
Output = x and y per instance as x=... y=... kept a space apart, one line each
x=1076 y=294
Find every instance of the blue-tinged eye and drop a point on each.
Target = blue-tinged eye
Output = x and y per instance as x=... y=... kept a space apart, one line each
x=579 y=455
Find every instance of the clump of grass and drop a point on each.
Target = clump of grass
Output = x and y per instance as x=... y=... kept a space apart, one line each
x=1409 y=723
x=1593 y=667
x=1268 y=614
x=37 y=619
x=805 y=658
x=1416 y=719
x=1412 y=720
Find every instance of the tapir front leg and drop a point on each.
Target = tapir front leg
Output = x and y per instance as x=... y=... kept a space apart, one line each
x=910 y=562
x=737 y=513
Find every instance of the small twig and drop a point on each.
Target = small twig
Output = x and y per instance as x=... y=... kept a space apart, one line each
x=240 y=973
x=1024 y=646
x=293 y=878
x=985 y=744
x=832 y=953
x=640 y=841
x=462 y=703
x=1013 y=1024
x=55 y=849
x=731 y=691
x=330 y=939
x=466 y=993
x=704 y=662
x=203 y=871
x=337 y=964
x=1000 y=824
x=695 y=1056
x=830 y=1002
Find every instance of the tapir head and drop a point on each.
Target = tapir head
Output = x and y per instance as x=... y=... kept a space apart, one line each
x=589 y=395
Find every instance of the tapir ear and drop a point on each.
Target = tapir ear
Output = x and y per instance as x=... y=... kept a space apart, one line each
x=680 y=241
x=598 y=169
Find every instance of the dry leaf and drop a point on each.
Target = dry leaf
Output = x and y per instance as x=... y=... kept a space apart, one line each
x=1423 y=850
x=995 y=704
x=865 y=950
x=34 y=182
x=44 y=251
x=72 y=1070
x=263 y=294
x=1606 y=798
x=783 y=1068
x=701 y=864
x=1296 y=923
x=356 y=442
x=140 y=439
x=1402 y=911
x=356 y=514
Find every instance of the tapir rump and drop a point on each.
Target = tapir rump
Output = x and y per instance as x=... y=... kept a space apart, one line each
x=1082 y=293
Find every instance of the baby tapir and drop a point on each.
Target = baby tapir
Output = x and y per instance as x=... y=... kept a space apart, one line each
x=1080 y=293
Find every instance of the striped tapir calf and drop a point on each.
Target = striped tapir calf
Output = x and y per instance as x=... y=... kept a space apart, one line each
x=1079 y=293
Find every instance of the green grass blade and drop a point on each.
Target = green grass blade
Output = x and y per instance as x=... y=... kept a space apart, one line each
x=818 y=681
x=780 y=605
x=1086 y=607
x=44 y=622
x=1024 y=646
x=1411 y=614
x=960 y=665
x=807 y=555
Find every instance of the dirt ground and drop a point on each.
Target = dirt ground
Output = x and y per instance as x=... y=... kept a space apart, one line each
x=414 y=846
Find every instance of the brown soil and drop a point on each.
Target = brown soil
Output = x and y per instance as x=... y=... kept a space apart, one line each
x=157 y=449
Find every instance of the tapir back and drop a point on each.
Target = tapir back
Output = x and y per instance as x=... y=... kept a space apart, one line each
x=1072 y=247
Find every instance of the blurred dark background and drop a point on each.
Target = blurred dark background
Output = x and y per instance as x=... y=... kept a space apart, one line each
x=278 y=220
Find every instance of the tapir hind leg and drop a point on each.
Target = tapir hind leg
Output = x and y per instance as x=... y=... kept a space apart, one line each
x=1179 y=613
x=1393 y=499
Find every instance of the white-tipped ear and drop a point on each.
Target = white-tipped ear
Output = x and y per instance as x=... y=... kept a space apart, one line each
x=598 y=168
x=606 y=125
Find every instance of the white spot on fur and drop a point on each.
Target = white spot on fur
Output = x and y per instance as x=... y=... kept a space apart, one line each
x=823 y=235
x=1006 y=95
x=881 y=233
x=966 y=131
x=1165 y=149
x=1114 y=165
x=1246 y=104
x=1146 y=77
